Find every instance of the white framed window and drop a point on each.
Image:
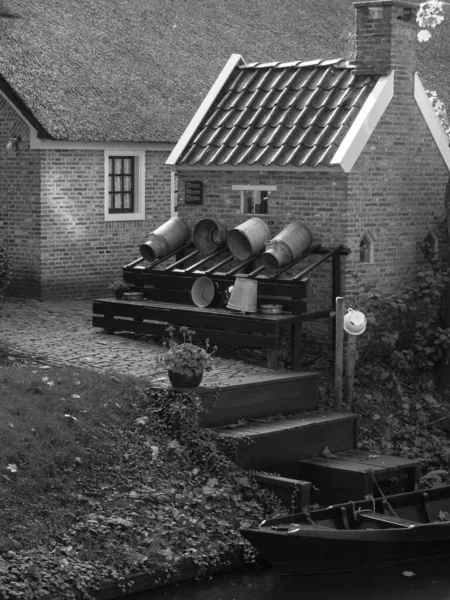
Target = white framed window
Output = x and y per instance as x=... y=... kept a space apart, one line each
x=124 y=185
x=255 y=198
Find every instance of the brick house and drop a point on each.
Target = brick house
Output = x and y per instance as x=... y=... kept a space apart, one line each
x=353 y=150
x=113 y=86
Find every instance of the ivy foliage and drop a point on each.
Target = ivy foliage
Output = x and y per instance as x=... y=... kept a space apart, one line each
x=407 y=331
x=5 y=270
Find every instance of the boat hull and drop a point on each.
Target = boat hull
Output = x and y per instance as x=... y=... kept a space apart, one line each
x=324 y=553
x=403 y=528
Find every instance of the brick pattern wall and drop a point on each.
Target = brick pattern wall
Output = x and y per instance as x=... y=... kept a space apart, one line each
x=385 y=38
x=81 y=253
x=396 y=192
x=20 y=225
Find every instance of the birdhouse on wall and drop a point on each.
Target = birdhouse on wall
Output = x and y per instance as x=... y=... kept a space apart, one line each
x=194 y=192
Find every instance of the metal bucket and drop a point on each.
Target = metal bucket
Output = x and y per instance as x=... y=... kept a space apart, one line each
x=244 y=295
x=209 y=235
x=248 y=238
x=204 y=292
x=288 y=245
x=166 y=239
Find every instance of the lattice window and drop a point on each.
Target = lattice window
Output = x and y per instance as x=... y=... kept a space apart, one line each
x=121 y=184
x=124 y=185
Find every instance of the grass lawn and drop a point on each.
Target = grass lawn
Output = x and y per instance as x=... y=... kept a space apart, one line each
x=101 y=478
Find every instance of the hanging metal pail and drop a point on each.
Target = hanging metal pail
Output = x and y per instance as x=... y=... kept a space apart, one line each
x=248 y=238
x=204 y=292
x=288 y=245
x=166 y=239
x=209 y=235
x=244 y=295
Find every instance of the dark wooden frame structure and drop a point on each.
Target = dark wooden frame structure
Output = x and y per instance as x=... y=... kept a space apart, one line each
x=167 y=300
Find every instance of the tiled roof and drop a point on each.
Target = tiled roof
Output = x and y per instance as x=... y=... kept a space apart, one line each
x=279 y=114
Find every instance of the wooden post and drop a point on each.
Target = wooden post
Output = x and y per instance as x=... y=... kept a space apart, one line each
x=339 y=352
x=350 y=370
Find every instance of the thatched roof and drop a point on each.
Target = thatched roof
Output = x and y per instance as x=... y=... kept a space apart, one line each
x=137 y=70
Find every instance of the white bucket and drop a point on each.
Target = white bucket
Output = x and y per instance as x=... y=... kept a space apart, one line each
x=244 y=295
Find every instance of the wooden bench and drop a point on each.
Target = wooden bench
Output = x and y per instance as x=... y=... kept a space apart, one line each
x=167 y=300
x=220 y=325
x=384 y=520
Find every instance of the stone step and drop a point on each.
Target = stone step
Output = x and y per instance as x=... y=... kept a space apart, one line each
x=255 y=396
x=279 y=445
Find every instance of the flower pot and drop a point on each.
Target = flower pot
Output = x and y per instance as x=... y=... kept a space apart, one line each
x=118 y=294
x=183 y=380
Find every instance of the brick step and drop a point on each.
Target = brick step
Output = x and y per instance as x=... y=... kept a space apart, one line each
x=350 y=475
x=256 y=396
x=278 y=446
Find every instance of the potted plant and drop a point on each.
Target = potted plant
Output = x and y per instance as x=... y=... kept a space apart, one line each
x=185 y=362
x=119 y=287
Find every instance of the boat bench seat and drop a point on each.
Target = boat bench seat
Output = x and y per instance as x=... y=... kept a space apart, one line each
x=388 y=520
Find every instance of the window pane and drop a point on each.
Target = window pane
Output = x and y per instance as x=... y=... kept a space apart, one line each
x=110 y=168
x=127 y=184
x=117 y=166
x=110 y=202
x=248 y=201
x=127 y=165
x=117 y=184
x=117 y=201
x=127 y=201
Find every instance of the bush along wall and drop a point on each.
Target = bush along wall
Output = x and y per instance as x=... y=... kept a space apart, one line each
x=5 y=270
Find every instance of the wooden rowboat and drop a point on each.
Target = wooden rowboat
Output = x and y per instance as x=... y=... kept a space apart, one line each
x=402 y=528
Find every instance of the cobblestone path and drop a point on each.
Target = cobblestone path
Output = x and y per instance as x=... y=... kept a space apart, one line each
x=61 y=333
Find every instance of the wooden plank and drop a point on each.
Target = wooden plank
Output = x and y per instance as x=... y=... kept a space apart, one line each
x=148 y=309
x=382 y=460
x=339 y=352
x=156 y=278
x=350 y=368
x=183 y=316
x=385 y=520
x=159 y=328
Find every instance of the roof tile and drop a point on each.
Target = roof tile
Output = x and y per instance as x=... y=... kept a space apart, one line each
x=280 y=114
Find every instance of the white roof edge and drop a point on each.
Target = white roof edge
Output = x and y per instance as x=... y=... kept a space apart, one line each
x=233 y=62
x=363 y=126
x=431 y=119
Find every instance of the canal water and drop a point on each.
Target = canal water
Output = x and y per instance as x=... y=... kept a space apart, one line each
x=422 y=581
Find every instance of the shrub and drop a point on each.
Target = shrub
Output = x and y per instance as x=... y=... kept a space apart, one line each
x=5 y=270
x=407 y=332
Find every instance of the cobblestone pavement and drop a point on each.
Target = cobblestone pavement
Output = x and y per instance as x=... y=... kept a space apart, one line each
x=61 y=333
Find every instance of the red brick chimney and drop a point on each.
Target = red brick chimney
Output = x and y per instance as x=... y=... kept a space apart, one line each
x=386 y=33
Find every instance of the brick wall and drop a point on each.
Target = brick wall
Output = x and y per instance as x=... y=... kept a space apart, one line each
x=396 y=192
x=81 y=253
x=52 y=216
x=20 y=204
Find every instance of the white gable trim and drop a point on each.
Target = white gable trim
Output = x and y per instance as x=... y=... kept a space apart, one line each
x=233 y=62
x=431 y=120
x=363 y=126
